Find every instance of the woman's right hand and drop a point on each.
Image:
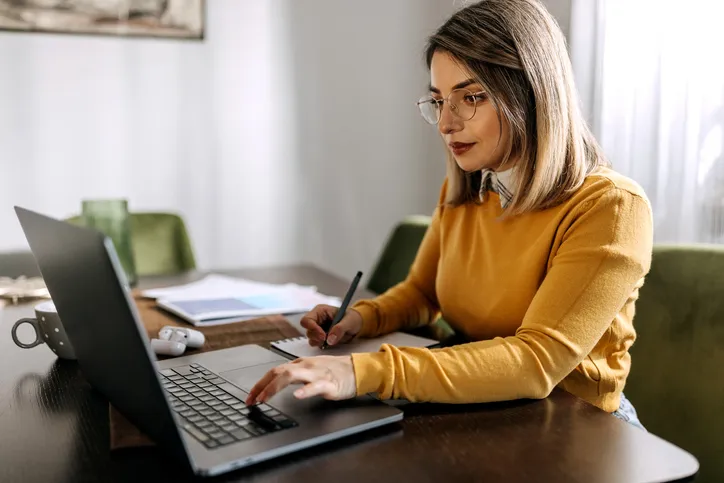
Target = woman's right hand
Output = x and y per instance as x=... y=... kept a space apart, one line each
x=343 y=332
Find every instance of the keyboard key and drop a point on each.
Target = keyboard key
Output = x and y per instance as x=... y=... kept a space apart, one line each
x=287 y=423
x=215 y=417
x=168 y=372
x=217 y=405
x=217 y=392
x=236 y=417
x=205 y=385
x=238 y=406
x=195 y=432
x=196 y=418
x=217 y=380
x=208 y=375
x=207 y=412
x=187 y=413
x=217 y=434
x=228 y=427
x=206 y=426
x=210 y=443
x=225 y=398
x=226 y=439
x=209 y=428
x=240 y=435
x=228 y=412
x=264 y=407
x=284 y=422
x=195 y=364
x=260 y=418
x=182 y=370
x=254 y=430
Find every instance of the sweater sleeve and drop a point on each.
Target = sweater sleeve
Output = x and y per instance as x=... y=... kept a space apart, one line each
x=601 y=260
x=413 y=302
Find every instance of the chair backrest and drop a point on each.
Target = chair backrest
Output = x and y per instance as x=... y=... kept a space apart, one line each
x=677 y=362
x=160 y=242
x=393 y=266
x=398 y=253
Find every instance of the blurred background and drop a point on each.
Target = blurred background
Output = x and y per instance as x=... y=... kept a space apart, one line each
x=273 y=132
x=286 y=131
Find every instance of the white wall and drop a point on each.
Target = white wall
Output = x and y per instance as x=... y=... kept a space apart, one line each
x=172 y=125
x=561 y=11
x=368 y=158
x=268 y=137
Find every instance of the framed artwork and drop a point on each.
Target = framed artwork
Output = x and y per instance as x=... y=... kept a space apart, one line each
x=180 y=19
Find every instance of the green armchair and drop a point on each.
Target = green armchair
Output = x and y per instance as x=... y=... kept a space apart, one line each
x=677 y=372
x=395 y=261
x=398 y=253
x=160 y=242
x=677 y=362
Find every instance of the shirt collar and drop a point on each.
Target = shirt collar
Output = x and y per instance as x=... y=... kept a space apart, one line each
x=500 y=182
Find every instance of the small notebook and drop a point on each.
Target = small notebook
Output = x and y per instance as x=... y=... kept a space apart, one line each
x=299 y=346
x=232 y=309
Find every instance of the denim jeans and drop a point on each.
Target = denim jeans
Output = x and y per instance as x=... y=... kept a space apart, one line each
x=627 y=412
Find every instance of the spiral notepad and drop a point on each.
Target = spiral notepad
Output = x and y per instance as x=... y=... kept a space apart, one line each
x=299 y=346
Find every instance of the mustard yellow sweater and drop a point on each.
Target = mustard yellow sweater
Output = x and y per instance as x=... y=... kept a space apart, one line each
x=548 y=297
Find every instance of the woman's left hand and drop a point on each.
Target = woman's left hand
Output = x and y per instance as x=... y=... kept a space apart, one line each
x=329 y=376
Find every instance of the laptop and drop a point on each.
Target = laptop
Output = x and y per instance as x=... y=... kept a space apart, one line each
x=191 y=406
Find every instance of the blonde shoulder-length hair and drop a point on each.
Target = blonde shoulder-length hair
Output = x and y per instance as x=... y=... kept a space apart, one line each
x=517 y=52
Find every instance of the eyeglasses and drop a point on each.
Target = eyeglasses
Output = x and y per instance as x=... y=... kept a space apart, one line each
x=462 y=102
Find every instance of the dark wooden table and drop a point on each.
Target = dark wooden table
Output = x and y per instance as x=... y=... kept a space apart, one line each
x=54 y=428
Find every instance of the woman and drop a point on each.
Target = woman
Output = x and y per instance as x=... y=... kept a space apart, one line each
x=536 y=251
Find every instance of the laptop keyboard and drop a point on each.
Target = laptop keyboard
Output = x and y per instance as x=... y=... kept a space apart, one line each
x=213 y=416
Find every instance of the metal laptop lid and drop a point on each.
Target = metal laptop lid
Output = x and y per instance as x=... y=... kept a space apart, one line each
x=87 y=285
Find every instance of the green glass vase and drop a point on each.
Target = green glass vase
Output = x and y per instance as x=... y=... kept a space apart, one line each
x=112 y=218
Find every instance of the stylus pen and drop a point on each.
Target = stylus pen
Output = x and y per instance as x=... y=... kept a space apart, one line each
x=343 y=308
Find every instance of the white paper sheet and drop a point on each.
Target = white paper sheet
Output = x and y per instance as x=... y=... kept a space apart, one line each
x=219 y=299
x=218 y=286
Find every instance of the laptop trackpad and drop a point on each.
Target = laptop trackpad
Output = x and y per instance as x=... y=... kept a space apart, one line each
x=246 y=377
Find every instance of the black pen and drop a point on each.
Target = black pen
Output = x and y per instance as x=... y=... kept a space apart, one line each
x=343 y=308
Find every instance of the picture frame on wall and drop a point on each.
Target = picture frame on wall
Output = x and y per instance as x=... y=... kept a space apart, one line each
x=171 y=19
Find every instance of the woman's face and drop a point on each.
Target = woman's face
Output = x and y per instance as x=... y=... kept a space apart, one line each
x=475 y=143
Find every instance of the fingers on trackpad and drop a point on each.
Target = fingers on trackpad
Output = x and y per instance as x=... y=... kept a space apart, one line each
x=246 y=377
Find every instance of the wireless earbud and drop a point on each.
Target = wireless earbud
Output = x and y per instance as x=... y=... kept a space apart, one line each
x=173 y=341
x=167 y=347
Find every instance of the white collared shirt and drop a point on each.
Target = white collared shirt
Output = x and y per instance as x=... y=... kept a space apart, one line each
x=499 y=182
